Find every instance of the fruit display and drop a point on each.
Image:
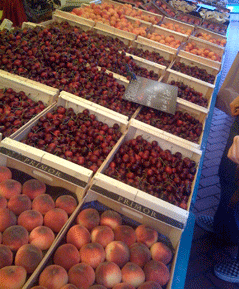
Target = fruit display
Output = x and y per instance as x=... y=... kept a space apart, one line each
x=169 y=40
x=103 y=250
x=31 y=216
x=151 y=7
x=209 y=37
x=183 y=6
x=181 y=124
x=219 y=28
x=188 y=19
x=176 y=27
x=215 y=16
x=165 y=8
x=194 y=71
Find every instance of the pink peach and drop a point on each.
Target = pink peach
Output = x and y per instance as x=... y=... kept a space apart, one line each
x=139 y=254
x=92 y=254
x=132 y=274
x=3 y=202
x=42 y=237
x=19 y=203
x=33 y=187
x=29 y=257
x=110 y=218
x=117 y=252
x=108 y=274
x=66 y=255
x=15 y=236
x=82 y=275
x=161 y=252
x=146 y=235
x=55 y=219
x=53 y=277
x=102 y=235
x=30 y=219
x=150 y=285
x=78 y=235
x=6 y=256
x=43 y=203
x=125 y=234
x=5 y=173
x=9 y=188
x=67 y=203
x=12 y=277
x=156 y=271
x=7 y=219
x=123 y=285
x=89 y=218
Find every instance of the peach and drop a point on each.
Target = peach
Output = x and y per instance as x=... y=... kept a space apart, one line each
x=6 y=256
x=29 y=257
x=92 y=254
x=53 y=277
x=19 y=203
x=102 y=235
x=108 y=274
x=89 y=218
x=42 y=237
x=12 y=277
x=126 y=234
x=146 y=235
x=82 y=275
x=161 y=252
x=139 y=254
x=33 y=187
x=7 y=219
x=15 y=236
x=55 y=219
x=5 y=173
x=30 y=219
x=117 y=252
x=43 y=203
x=123 y=285
x=69 y=286
x=132 y=274
x=97 y=286
x=78 y=235
x=110 y=218
x=3 y=202
x=67 y=203
x=150 y=285
x=156 y=271
x=66 y=255
x=9 y=188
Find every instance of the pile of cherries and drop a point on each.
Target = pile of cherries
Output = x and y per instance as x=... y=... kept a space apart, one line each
x=16 y=109
x=77 y=137
x=181 y=124
x=148 y=167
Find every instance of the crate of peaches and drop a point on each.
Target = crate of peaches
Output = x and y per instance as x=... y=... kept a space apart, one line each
x=177 y=26
x=71 y=135
x=36 y=202
x=110 y=245
x=21 y=100
x=215 y=27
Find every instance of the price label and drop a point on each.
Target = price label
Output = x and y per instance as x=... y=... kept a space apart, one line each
x=147 y=92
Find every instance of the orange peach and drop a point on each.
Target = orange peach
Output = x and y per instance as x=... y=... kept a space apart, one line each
x=102 y=235
x=139 y=254
x=92 y=254
x=19 y=203
x=110 y=218
x=30 y=219
x=69 y=286
x=67 y=203
x=125 y=234
x=117 y=252
x=78 y=235
x=15 y=236
x=156 y=271
x=89 y=218
x=123 y=285
x=161 y=252
x=3 y=202
x=55 y=219
x=5 y=173
x=82 y=275
x=9 y=188
x=43 y=203
x=66 y=255
x=12 y=277
x=42 y=237
x=29 y=257
x=33 y=188
x=146 y=235
x=6 y=256
x=132 y=274
x=7 y=219
x=108 y=274
x=53 y=277
x=150 y=285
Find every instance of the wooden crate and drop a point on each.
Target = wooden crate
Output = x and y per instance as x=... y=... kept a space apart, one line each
x=182 y=25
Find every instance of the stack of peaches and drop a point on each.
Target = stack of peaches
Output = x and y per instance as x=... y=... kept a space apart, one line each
x=100 y=250
x=30 y=219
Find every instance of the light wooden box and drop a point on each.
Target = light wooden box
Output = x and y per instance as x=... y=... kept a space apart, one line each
x=167 y=20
